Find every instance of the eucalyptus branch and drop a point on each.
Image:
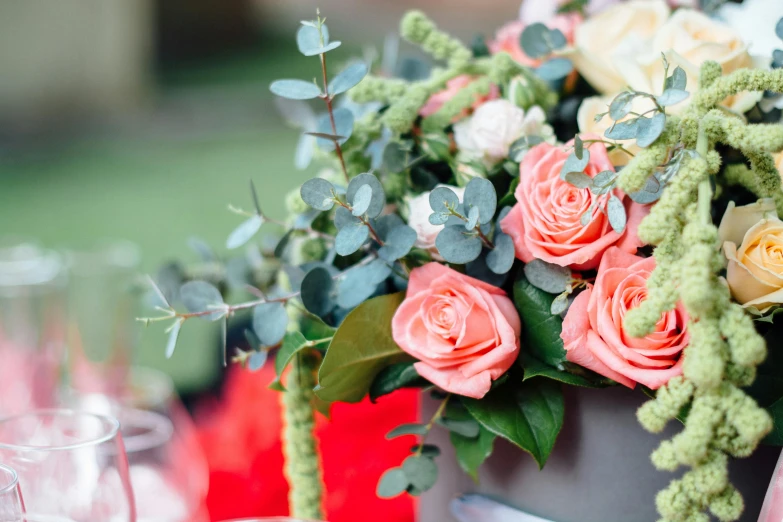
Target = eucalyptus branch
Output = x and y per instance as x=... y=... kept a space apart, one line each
x=428 y=427
x=364 y=220
x=488 y=242
x=327 y=98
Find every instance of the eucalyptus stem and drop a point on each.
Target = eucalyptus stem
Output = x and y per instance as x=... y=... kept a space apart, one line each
x=302 y=459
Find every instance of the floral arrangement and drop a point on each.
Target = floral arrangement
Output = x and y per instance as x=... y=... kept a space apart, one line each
x=590 y=198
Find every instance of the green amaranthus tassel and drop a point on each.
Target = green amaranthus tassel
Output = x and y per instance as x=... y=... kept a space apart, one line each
x=302 y=462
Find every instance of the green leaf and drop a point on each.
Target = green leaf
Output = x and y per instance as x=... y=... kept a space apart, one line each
x=360 y=282
x=393 y=378
x=541 y=330
x=244 y=232
x=529 y=415
x=316 y=293
x=467 y=427
x=549 y=277
x=535 y=368
x=393 y=482
x=348 y=78
x=293 y=342
x=200 y=296
x=533 y=40
x=407 y=429
x=321 y=407
x=421 y=472
x=472 y=452
x=360 y=349
x=295 y=89
x=427 y=450
x=257 y=360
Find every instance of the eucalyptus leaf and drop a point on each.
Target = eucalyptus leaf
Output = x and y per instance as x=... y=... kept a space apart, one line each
x=579 y=147
x=421 y=472
x=360 y=349
x=623 y=130
x=171 y=344
x=652 y=191
x=361 y=200
x=427 y=450
x=393 y=482
x=579 y=180
x=621 y=105
x=678 y=79
x=649 y=129
x=270 y=322
x=257 y=360
x=295 y=89
x=200 y=296
x=574 y=164
x=242 y=234
x=438 y=218
x=541 y=330
x=529 y=415
x=520 y=147
x=473 y=218
x=467 y=427
x=779 y=29
x=548 y=277
x=318 y=193
x=534 y=40
x=359 y=283
x=343 y=217
x=386 y=223
x=203 y=250
x=305 y=148
x=501 y=258
x=378 y=196
x=282 y=244
x=480 y=193
x=560 y=304
x=671 y=97
x=456 y=246
x=348 y=77
x=393 y=378
x=398 y=243
x=407 y=429
x=616 y=212
x=308 y=38
x=350 y=238
x=343 y=121
x=603 y=182
x=316 y=291
x=555 y=69
x=293 y=342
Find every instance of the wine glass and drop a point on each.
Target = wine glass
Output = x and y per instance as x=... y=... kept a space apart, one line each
x=32 y=290
x=71 y=465
x=11 y=504
x=165 y=487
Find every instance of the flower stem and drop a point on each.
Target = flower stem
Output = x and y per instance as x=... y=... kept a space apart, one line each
x=328 y=99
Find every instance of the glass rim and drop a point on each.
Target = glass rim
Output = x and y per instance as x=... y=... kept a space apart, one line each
x=159 y=429
x=112 y=425
x=12 y=483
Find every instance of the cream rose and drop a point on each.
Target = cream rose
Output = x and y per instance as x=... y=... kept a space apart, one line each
x=493 y=127
x=752 y=237
x=622 y=28
x=419 y=211
x=689 y=38
x=595 y=105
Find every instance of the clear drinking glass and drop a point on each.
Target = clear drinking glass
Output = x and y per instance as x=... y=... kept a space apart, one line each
x=101 y=312
x=71 y=466
x=11 y=504
x=32 y=291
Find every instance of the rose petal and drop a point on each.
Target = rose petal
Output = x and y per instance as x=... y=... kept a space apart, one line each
x=454 y=381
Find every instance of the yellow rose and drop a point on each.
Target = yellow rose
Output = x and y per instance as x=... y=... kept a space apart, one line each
x=689 y=38
x=585 y=118
x=755 y=271
x=622 y=28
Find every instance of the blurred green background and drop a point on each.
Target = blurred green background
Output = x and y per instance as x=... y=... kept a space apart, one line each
x=144 y=119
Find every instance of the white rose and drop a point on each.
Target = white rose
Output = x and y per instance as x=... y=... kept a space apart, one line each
x=419 y=211
x=621 y=28
x=755 y=20
x=689 y=38
x=493 y=127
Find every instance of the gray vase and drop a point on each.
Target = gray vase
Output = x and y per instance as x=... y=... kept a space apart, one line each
x=599 y=470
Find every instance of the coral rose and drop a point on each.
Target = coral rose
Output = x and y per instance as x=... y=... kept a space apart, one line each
x=752 y=238
x=507 y=37
x=546 y=221
x=593 y=331
x=464 y=332
x=453 y=86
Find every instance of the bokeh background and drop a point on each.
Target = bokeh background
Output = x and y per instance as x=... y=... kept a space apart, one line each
x=144 y=119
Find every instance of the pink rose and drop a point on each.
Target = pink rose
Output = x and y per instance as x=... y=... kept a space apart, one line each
x=507 y=37
x=464 y=332
x=453 y=86
x=546 y=221
x=593 y=327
